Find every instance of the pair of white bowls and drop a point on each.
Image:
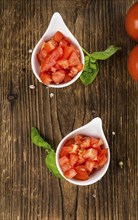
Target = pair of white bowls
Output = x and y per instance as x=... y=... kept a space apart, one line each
x=93 y=128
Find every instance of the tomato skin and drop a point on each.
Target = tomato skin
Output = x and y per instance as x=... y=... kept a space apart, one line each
x=132 y=63
x=58 y=36
x=46 y=78
x=81 y=173
x=131 y=21
x=58 y=76
x=63 y=160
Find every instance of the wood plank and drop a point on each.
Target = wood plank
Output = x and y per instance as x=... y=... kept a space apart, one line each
x=28 y=191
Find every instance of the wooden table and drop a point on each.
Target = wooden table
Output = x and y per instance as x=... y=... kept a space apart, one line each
x=27 y=190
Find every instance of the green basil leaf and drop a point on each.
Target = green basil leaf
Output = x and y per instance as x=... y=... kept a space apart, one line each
x=103 y=55
x=51 y=164
x=39 y=141
x=89 y=73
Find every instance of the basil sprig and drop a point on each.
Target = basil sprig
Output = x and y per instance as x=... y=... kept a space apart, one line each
x=91 y=67
x=50 y=159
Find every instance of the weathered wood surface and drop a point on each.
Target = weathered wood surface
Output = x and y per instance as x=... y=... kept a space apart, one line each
x=27 y=190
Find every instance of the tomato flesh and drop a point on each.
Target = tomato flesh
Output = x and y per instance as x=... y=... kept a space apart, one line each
x=58 y=54
x=81 y=156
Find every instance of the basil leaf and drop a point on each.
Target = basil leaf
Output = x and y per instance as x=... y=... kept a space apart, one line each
x=39 y=141
x=51 y=164
x=103 y=55
x=90 y=71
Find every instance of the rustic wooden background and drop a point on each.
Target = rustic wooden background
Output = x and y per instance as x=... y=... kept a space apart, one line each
x=27 y=190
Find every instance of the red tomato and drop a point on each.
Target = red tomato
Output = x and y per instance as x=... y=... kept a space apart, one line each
x=91 y=154
x=86 y=143
x=73 y=59
x=132 y=63
x=58 y=76
x=73 y=159
x=81 y=161
x=81 y=173
x=63 y=160
x=67 y=51
x=70 y=173
x=78 y=139
x=64 y=63
x=102 y=161
x=49 y=45
x=73 y=71
x=131 y=21
x=60 y=58
x=89 y=165
x=66 y=167
x=65 y=151
x=67 y=78
x=70 y=141
x=58 y=36
x=46 y=78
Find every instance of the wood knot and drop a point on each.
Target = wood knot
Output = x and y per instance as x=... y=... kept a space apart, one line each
x=11 y=97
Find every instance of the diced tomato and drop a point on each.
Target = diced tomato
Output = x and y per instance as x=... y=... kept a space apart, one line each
x=67 y=78
x=95 y=143
x=64 y=42
x=70 y=173
x=57 y=67
x=63 y=160
x=86 y=143
x=46 y=78
x=91 y=154
x=73 y=71
x=53 y=69
x=58 y=76
x=70 y=142
x=79 y=67
x=73 y=159
x=40 y=57
x=89 y=165
x=50 y=60
x=65 y=151
x=81 y=161
x=66 y=167
x=50 y=45
x=78 y=139
x=74 y=148
x=58 y=36
x=102 y=153
x=64 y=63
x=102 y=161
x=73 y=59
x=81 y=173
x=67 y=51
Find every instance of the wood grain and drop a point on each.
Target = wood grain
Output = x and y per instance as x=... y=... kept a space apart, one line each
x=28 y=191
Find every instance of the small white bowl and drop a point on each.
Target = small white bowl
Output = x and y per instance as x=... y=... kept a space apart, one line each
x=56 y=24
x=93 y=129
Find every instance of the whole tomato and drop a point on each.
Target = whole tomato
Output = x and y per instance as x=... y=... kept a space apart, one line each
x=132 y=63
x=131 y=21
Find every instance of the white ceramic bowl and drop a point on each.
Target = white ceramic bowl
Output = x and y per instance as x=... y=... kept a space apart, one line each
x=94 y=129
x=56 y=24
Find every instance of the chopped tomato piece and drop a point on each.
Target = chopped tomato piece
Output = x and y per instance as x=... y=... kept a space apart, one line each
x=73 y=59
x=74 y=148
x=73 y=159
x=81 y=173
x=64 y=42
x=73 y=71
x=67 y=51
x=70 y=141
x=50 y=60
x=67 y=78
x=70 y=173
x=65 y=151
x=58 y=76
x=66 y=167
x=64 y=63
x=78 y=139
x=102 y=161
x=89 y=165
x=63 y=160
x=50 y=45
x=53 y=69
x=81 y=161
x=86 y=143
x=102 y=153
x=58 y=36
x=91 y=154
x=46 y=78
x=79 y=67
